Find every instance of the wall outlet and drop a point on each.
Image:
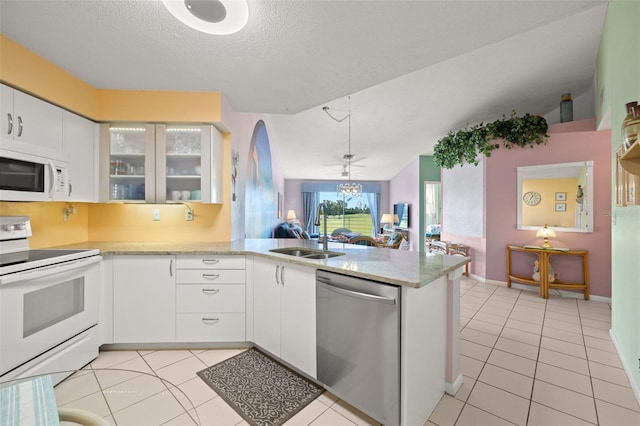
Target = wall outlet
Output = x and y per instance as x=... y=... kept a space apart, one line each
x=188 y=214
x=156 y=214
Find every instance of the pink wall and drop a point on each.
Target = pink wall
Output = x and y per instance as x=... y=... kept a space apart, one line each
x=568 y=142
x=405 y=188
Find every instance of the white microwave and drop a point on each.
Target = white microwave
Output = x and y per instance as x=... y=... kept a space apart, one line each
x=29 y=177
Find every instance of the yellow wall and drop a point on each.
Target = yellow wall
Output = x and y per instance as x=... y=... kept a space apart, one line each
x=152 y=106
x=134 y=222
x=544 y=213
x=48 y=224
x=31 y=73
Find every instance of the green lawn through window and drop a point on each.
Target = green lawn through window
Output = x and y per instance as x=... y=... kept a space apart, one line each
x=356 y=222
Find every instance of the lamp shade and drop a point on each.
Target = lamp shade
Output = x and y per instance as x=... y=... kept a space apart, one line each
x=546 y=232
x=387 y=218
x=291 y=215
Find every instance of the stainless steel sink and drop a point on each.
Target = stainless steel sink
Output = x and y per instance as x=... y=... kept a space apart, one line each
x=322 y=255
x=307 y=253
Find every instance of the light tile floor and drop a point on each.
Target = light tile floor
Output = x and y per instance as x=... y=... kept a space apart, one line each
x=525 y=360
x=531 y=361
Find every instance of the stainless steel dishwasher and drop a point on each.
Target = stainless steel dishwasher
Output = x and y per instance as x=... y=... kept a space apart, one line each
x=358 y=343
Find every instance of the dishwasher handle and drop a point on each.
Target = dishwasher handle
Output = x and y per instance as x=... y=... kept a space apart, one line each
x=357 y=294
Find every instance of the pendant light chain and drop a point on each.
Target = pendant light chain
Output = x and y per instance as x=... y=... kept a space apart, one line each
x=349 y=189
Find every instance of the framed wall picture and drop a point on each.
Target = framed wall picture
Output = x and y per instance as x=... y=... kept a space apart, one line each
x=561 y=196
x=561 y=207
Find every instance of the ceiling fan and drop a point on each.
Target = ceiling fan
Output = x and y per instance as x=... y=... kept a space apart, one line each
x=344 y=161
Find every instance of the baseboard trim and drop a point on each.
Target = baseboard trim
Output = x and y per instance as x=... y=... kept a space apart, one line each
x=627 y=369
x=452 y=388
x=563 y=293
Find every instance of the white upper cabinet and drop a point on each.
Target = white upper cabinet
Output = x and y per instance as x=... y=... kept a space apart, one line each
x=34 y=125
x=160 y=163
x=81 y=149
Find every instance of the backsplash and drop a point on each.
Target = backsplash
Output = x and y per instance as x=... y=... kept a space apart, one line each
x=47 y=222
x=120 y=222
x=135 y=222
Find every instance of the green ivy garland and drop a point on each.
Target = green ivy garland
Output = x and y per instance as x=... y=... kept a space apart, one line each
x=464 y=145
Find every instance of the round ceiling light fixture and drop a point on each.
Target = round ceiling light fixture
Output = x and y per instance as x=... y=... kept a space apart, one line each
x=219 y=17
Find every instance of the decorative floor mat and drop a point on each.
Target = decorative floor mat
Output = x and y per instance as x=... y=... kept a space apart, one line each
x=263 y=391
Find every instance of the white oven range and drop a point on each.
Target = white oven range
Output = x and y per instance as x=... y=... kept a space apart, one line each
x=48 y=305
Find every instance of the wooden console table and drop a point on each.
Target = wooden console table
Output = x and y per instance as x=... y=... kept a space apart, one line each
x=447 y=247
x=544 y=257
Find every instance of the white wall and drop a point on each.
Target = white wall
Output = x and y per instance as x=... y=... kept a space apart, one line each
x=463 y=200
x=583 y=107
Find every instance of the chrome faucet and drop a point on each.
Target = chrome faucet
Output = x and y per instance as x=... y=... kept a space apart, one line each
x=325 y=240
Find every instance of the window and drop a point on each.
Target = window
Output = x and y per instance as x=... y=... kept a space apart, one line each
x=347 y=212
x=360 y=214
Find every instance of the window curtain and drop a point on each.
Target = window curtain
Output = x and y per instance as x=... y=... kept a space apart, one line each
x=310 y=202
x=373 y=199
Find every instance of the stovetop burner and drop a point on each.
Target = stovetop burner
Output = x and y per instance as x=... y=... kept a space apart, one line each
x=25 y=256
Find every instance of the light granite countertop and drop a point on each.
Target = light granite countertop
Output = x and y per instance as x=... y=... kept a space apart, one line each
x=399 y=267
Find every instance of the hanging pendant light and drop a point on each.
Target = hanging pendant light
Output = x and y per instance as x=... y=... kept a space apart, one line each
x=348 y=189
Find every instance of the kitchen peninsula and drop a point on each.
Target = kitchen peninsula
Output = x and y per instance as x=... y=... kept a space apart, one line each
x=429 y=303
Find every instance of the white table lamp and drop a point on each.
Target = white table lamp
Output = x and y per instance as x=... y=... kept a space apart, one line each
x=546 y=233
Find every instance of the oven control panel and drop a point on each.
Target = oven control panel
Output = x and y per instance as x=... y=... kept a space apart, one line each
x=14 y=227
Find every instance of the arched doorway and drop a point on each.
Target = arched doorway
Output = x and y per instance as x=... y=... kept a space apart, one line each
x=260 y=211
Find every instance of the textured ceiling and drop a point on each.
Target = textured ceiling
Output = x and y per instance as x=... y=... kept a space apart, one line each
x=410 y=71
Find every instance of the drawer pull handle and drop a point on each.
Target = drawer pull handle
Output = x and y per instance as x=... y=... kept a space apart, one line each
x=210 y=291
x=210 y=261
x=210 y=320
x=210 y=276
x=10 y=123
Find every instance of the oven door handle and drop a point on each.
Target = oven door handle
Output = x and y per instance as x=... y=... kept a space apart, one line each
x=45 y=271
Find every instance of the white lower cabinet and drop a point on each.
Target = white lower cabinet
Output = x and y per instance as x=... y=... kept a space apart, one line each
x=211 y=298
x=144 y=309
x=284 y=312
x=105 y=320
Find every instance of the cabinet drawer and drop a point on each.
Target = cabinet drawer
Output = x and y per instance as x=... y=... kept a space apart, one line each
x=210 y=298
x=210 y=276
x=211 y=262
x=210 y=327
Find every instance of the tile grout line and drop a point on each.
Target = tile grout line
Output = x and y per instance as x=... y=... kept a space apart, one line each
x=535 y=368
x=103 y=395
x=586 y=353
x=164 y=382
x=485 y=362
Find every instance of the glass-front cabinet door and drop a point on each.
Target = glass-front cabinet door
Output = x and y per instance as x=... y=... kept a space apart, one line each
x=158 y=163
x=181 y=158
x=131 y=155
